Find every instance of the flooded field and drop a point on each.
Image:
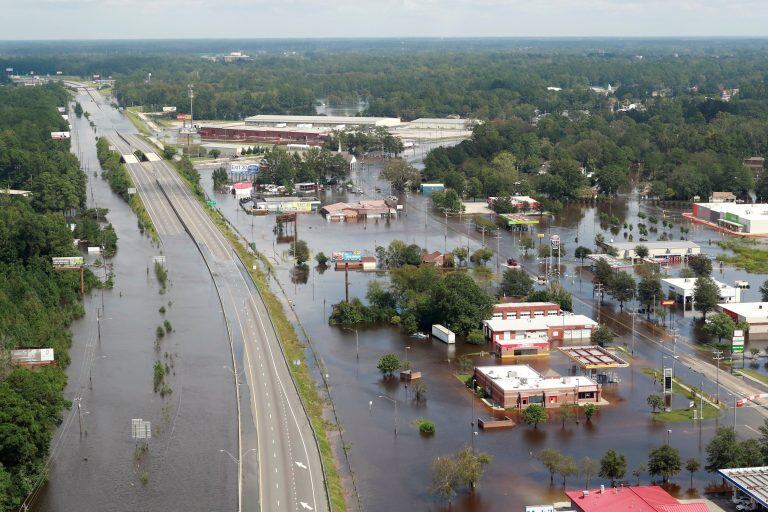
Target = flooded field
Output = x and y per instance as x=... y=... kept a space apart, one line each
x=386 y=466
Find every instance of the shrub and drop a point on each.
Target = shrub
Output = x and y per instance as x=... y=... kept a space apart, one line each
x=476 y=337
x=426 y=427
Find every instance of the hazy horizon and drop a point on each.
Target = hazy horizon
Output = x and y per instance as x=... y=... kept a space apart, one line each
x=301 y=19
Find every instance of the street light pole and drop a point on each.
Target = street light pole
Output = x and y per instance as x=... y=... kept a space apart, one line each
x=669 y=432
x=385 y=397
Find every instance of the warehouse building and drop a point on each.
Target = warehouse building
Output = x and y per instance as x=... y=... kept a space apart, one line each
x=753 y=313
x=333 y=122
x=681 y=290
x=671 y=251
x=518 y=386
x=272 y=135
x=735 y=218
x=432 y=123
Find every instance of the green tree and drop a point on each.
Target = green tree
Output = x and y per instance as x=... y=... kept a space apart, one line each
x=476 y=337
x=722 y=450
x=461 y=254
x=638 y=472
x=516 y=283
x=445 y=479
x=613 y=466
x=622 y=288
x=481 y=256
x=526 y=244
x=567 y=413
x=220 y=178
x=388 y=364
x=641 y=251
x=214 y=153
x=169 y=152
x=664 y=461
x=567 y=467
x=78 y=109
x=321 y=259
x=400 y=174
x=700 y=264
x=692 y=466
x=300 y=252
x=534 y=414
x=471 y=465
x=706 y=295
x=602 y=336
x=581 y=253
x=649 y=292
x=719 y=326
x=764 y=291
x=589 y=411
x=588 y=468
x=656 y=402
x=550 y=459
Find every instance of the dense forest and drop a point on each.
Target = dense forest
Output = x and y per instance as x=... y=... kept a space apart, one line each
x=37 y=303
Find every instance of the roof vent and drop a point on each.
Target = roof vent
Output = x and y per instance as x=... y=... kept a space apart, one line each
x=602 y=488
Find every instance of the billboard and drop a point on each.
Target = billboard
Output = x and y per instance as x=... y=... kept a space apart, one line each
x=183 y=117
x=737 y=343
x=59 y=135
x=347 y=256
x=299 y=206
x=554 y=242
x=250 y=169
x=169 y=109
x=68 y=261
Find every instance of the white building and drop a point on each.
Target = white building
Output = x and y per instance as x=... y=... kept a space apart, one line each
x=751 y=219
x=681 y=289
x=754 y=313
x=432 y=123
x=672 y=251
x=304 y=122
x=553 y=327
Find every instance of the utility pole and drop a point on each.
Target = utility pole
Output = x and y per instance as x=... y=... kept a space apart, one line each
x=718 y=356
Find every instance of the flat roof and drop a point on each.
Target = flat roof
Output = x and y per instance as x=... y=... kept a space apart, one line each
x=444 y=120
x=593 y=357
x=681 y=244
x=516 y=218
x=743 y=210
x=538 y=323
x=752 y=481
x=524 y=304
x=688 y=283
x=276 y=118
x=516 y=377
x=749 y=310
x=313 y=130
x=287 y=199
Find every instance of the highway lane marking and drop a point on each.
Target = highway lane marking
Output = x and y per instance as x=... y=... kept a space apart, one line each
x=301 y=465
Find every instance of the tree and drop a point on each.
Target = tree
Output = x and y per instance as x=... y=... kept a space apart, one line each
x=461 y=254
x=476 y=337
x=445 y=479
x=656 y=402
x=220 y=178
x=602 y=336
x=722 y=450
x=567 y=467
x=516 y=283
x=481 y=256
x=550 y=458
x=526 y=244
x=589 y=411
x=588 y=468
x=534 y=414
x=169 y=152
x=664 y=461
x=622 y=288
x=400 y=174
x=700 y=264
x=321 y=259
x=471 y=465
x=719 y=326
x=78 y=109
x=582 y=252
x=692 y=466
x=388 y=364
x=764 y=291
x=638 y=472
x=706 y=295
x=613 y=466
x=648 y=292
x=641 y=251
x=763 y=439
x=566 y=412
x=452 y=471
x=300 y=252
x=214 y=153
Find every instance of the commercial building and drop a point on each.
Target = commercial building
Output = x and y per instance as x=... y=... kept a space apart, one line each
x=614 y=263
x=272 y=135
x=286 y=204
x=432 y=123
x=681 y=290
x=518 y=386
x=643 y=498
x=516 y=221
x=554 y=327
x=671 y=251
x=521 y=202
x=361 y=210
x=509 y=310
x=753 y=313
x=752 y=482
x=529 y=344
x=334 y=122
x=734 y=218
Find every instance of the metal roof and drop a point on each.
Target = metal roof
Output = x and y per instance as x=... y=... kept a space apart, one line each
x=753 y=481
x=593 y=357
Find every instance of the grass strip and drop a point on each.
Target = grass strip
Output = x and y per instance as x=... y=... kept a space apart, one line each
x=680 y=415
x=131 y=113
x=746 y=256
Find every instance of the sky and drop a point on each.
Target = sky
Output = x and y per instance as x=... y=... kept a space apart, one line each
x=141 y=19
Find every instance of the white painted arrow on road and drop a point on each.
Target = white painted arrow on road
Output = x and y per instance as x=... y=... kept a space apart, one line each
x=305 y=506
x=301 y=465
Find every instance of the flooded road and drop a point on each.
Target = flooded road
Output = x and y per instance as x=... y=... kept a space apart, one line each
x=190 y=425
x=396 y=470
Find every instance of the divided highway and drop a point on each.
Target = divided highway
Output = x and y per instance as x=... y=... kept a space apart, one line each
x=279 y=460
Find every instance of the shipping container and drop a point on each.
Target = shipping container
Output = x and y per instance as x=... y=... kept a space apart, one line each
x=443 y=334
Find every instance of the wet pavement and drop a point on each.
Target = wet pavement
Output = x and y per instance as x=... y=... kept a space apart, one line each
x=186 y=469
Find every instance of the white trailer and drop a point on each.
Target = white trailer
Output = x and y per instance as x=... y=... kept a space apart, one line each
x=443 y=334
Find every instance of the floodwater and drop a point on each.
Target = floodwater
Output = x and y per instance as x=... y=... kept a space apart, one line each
x=190 y=426
x=395 y=470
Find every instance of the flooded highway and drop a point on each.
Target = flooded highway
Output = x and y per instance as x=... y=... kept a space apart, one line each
x=185 y=469
x=386 y=466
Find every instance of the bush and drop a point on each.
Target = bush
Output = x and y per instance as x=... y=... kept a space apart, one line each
x=388 y=364
x=476 y=337
x=426 y=427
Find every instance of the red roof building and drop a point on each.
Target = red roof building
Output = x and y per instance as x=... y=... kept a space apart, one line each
x=432 y=258
x=646 y=498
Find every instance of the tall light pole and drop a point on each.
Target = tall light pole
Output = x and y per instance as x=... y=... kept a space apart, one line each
x=385 y=397
x=472 y=419
x=718 y=356
x=239 y=463
x=357 y=343
x=669 y=433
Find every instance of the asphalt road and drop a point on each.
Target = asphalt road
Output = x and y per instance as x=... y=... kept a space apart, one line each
x=279 y=461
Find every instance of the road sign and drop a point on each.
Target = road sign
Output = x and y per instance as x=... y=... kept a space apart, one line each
x=211 y=203
x=554 y=242
x=540 y=235
x=141 y=429
x=131 y=191
x=158 y=259
x=667 y=380
x=668 y=302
